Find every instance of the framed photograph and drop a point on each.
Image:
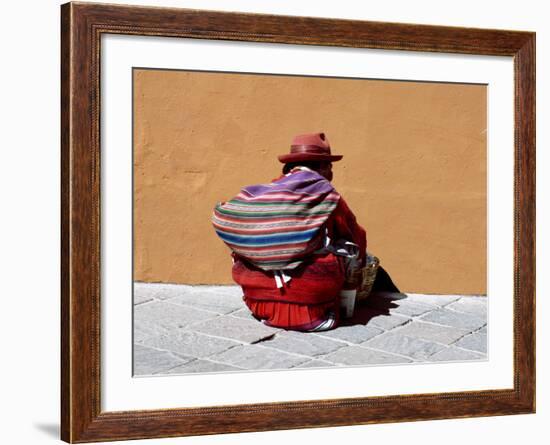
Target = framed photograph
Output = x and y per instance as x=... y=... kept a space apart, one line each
x=274 y=222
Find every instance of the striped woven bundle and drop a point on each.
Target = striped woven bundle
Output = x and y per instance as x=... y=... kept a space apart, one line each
x=274 y=226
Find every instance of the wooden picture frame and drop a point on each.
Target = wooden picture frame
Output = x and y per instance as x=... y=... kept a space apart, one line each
x=82 y=25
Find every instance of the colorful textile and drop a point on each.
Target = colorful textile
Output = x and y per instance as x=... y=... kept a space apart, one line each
x=301 y=305
x=276 y=226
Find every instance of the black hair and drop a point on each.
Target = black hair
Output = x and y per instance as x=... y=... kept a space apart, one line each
x=313 y=165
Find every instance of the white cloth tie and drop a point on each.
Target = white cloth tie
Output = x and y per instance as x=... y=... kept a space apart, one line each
x=280 y=278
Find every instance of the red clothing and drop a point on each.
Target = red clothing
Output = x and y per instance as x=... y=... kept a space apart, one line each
x=343 y=224
x=300 y=304
x=313 y=291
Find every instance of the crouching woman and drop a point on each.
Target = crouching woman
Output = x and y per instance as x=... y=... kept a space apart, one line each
x=295 y=242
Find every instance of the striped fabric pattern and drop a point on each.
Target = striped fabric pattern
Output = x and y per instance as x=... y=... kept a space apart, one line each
x=274 y=226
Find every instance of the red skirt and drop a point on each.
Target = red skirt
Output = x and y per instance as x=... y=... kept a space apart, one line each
x=301 y=304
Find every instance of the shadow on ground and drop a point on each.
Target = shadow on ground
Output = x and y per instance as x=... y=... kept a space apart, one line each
x=377 y=303
x=50 y=429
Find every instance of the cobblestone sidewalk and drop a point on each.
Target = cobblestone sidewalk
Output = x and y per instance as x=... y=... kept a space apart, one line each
x=182 y=329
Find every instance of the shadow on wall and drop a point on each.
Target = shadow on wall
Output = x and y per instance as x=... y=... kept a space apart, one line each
x=383 y=282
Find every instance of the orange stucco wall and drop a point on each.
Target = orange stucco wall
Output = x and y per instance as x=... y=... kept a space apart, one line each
x=414 y=168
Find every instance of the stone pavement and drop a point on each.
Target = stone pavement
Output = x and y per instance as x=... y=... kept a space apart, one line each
x=181 y=329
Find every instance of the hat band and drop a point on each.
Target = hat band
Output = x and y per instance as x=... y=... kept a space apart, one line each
x=313 y=149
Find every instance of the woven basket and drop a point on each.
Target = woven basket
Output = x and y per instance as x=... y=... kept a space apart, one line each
x=366 y=277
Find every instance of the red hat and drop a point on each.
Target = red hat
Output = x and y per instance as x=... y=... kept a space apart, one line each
x=309 y=147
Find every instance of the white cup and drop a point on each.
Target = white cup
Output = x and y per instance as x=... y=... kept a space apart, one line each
x=347 y=301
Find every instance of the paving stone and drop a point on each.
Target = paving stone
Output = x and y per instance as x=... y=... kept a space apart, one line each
x=402 y=306
x=240 y=329
x=259 y=357
x=189 y=343
x=453 y=354
x=471 y=305
x=162 y=316
x=203 y=298
x=475 y=342
x=145 y=290
x=403 y=345
x=431 y=332
x=356 y=333
x=149 y=361
x=140 y=299
x=475 y=298
x=165 y=291
x=438 y=300
x=316 y=364
x=235 y=291
x=455 y=319
x=412 y=308
x=188 y=328
x=201 y=366
x=161 y=291
x=143 y=331
x=357 y=355
x=386 y=321
x=243 y=313
x=302 y=343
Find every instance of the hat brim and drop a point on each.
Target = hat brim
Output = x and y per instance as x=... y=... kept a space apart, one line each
x=297 y=157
